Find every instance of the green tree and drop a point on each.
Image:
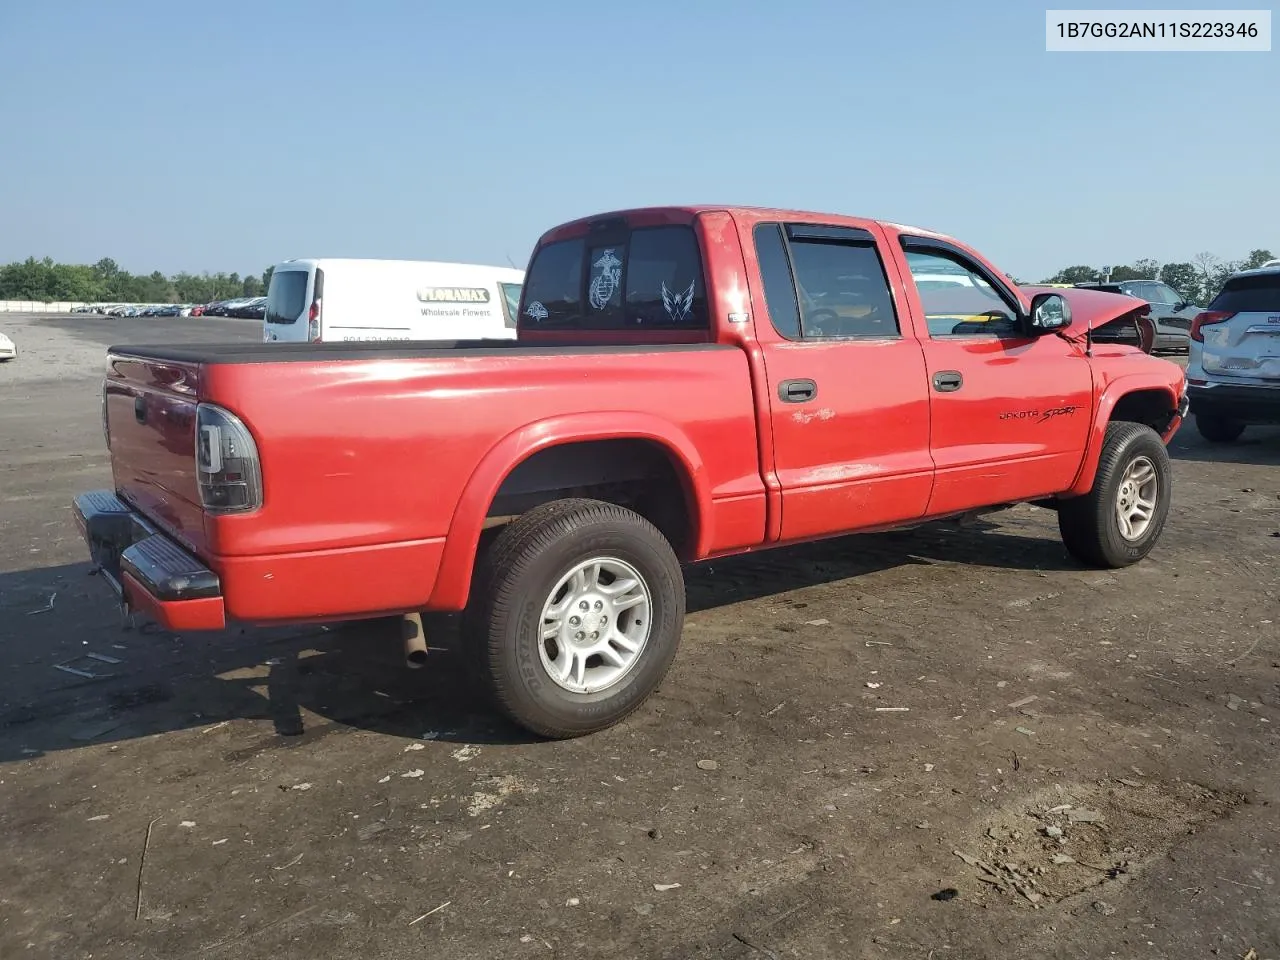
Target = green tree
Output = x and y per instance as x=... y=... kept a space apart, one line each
x=266 y=278
x=1079 y=274
x=1256 y=258
x=156 y=288
x=1124 y=272
x=1184 y=278
x=1145 y=269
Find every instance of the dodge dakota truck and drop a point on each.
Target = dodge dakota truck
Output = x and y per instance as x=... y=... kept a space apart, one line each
x=685 y=384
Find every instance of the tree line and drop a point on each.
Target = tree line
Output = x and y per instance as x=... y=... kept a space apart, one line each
x=1198 y=281
x=104 y=282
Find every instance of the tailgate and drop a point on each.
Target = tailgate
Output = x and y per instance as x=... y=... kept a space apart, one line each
x=149 y=409
x=1247 y=345
x=1240 y=329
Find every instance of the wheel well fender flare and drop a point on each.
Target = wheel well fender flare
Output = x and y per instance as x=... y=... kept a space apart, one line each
x=1112 y=395
x=453 y=582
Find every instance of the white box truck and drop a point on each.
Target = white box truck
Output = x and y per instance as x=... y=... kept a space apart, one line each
x=353 y=299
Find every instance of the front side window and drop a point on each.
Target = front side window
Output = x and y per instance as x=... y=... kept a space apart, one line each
x=958 y=300
x=646 y=278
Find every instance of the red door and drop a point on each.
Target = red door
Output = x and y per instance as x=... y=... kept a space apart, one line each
x=1010 y=412
x=847 y=387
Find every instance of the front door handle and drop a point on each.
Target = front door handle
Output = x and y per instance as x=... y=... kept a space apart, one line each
x=797 y=391
x=947 y=381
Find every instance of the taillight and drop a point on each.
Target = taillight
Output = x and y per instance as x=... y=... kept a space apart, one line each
x=313 y=321
x=228 y=472
x=1207 y=318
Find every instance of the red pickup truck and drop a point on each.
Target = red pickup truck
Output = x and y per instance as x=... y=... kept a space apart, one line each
x=686 y=383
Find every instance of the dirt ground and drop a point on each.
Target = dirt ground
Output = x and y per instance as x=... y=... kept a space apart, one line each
x=947 y=743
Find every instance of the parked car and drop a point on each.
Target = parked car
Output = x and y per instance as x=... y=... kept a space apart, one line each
x=1233 y=371
x=685 y=384
x=354 y=299
x=1171 y=312
x=8 y=349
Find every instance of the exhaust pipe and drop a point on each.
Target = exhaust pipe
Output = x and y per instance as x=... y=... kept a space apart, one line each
x=415 y=641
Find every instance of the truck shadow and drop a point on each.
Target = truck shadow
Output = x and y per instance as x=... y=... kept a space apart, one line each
x=75 y=676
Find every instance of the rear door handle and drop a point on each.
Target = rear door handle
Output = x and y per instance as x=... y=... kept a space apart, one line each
x=797 y=391
x=140 y=409
x=947 y=381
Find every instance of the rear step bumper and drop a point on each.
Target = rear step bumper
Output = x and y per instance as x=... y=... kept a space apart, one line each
x=147 y=570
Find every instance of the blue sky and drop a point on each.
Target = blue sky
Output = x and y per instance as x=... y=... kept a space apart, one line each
x=231 y=135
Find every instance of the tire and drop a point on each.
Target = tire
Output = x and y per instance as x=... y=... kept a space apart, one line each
x=1218 y=429
x=516 y=583
x=1090 y=525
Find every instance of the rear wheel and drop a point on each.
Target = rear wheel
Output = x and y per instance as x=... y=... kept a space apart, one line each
x=577 y=615
x=1218 y=429
x=1119 y=521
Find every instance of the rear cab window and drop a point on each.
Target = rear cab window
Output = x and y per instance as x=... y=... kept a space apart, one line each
x=1256 y=294
x=287 y=296
x=641 y=278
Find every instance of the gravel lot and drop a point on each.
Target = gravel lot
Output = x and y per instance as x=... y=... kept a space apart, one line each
x=852 y=733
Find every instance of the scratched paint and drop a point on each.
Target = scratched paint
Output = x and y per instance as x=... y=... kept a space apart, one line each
x=838 y=472
x=802 y=416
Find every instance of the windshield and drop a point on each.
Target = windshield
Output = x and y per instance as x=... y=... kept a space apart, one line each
x=510 y=302
x=287 y=296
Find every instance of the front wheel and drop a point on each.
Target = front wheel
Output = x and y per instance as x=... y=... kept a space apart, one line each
x=1119 y=521
x=577 y=614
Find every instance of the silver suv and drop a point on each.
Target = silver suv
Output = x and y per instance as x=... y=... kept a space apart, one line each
x=1233 y=371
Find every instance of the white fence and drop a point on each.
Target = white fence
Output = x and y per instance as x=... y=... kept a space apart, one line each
x=36 y=306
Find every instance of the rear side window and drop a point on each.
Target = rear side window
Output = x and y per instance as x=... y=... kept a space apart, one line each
x=287 y=296
x=843 y=290
x=824 y=284
x=779 y=286
x=647 y=278
x=1258 y=294
x=1151 y=292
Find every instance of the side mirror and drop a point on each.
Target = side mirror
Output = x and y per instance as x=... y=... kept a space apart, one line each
x=1049 y=312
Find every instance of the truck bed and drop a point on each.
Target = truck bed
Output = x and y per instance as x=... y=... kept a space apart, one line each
x=371 y=452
